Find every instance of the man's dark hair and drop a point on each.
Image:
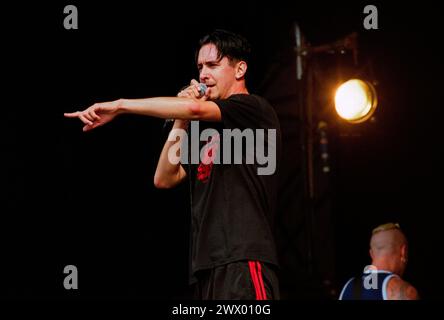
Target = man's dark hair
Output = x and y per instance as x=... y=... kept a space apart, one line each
x=231 y=45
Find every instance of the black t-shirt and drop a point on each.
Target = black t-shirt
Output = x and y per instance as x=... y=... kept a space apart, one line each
x=233 y=207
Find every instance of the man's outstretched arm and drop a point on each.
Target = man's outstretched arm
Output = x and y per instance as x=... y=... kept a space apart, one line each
x=189 y=105
x=160 y=107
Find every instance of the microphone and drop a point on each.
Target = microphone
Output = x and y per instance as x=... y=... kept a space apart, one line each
x=202 y=88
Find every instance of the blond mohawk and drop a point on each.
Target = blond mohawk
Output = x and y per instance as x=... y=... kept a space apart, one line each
x=386 y=226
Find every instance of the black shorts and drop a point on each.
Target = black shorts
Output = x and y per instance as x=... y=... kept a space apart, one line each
x=241 y=280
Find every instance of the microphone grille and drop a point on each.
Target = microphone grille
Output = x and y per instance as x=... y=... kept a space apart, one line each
x=202 y=88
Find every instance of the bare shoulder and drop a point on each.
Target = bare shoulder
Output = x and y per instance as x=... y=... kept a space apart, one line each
x=398 y=289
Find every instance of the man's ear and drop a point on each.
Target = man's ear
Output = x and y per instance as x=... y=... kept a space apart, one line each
x=370 y=251
x=404 y=252
x=241 y=69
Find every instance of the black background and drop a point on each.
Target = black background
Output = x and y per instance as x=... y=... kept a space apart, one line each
x=88 y=199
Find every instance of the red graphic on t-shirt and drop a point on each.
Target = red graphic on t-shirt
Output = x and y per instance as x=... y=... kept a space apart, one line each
x=206 y=164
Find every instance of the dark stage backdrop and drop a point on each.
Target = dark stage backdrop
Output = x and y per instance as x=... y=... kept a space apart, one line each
x=87 y=199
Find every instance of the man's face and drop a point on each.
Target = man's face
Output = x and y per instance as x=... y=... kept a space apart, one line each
x=218 y=75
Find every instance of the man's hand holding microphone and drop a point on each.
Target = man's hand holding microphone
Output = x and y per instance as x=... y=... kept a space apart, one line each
x=195 y=90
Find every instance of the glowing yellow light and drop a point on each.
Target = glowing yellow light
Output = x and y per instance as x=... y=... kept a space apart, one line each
x=355 y=100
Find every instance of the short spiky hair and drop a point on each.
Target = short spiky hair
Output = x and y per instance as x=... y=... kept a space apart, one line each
x=231 y=45
x=386 y=226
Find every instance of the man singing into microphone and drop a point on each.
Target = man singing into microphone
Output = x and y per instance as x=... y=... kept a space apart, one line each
x=233 y=253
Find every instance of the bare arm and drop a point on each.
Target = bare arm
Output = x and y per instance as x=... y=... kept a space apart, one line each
x=186 y=108
x=168 y=174
x=398 y=289
x=172 y=107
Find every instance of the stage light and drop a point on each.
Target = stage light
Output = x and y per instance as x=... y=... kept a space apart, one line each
x=355 y=100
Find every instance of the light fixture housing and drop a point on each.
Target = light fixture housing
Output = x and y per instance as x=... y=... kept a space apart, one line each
x=355 y=100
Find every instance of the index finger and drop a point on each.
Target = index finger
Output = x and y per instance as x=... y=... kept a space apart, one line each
x=71 y=114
